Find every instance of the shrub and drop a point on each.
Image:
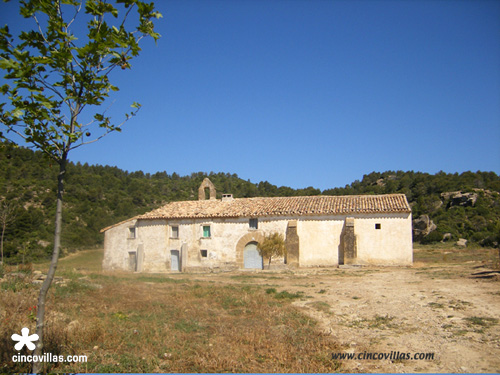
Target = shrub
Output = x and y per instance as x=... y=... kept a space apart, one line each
x=273 y=245
x=490 y=241
x=286 y=295
x=432 y=237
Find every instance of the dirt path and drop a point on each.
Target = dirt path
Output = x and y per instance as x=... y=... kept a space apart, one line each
x=438 y=310
x=407 y=310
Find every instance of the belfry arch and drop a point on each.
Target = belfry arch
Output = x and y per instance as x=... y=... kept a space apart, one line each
x=206 y=184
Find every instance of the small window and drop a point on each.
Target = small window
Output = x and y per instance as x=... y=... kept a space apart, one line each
x=254 y=223
x=131 y=233
x=378 y=226
x=204 y=253
x=175 y=231
x=206 y=231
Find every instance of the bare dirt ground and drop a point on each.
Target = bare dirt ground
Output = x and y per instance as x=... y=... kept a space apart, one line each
x=432 y=307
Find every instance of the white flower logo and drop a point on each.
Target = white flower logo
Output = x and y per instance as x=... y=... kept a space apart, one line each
x=25 y=339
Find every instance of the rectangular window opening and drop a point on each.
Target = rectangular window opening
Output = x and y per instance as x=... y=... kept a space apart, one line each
x=206 y=231
x=254 y=223
x=378 y=226
x=204 y=253
x=131 y=233
x=175 y=231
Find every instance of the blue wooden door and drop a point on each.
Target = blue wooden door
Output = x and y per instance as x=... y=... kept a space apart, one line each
x=251 y=256
x=175 y=260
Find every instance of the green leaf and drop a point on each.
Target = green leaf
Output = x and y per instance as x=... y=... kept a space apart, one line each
x=16 y=113
x=7 y=64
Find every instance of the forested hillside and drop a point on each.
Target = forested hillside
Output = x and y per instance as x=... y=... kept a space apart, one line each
x=97 y=196
x=463 y=205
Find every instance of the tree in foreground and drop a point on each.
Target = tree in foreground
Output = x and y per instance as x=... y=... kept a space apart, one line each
x=273 y=245
x=58 y=78
x=7 y=216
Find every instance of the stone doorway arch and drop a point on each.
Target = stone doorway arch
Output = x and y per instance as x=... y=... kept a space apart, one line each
x=242 y=242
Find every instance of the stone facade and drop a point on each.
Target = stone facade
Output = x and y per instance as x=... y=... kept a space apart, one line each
x=292 y=244
x=165 y=242
x=348 y=243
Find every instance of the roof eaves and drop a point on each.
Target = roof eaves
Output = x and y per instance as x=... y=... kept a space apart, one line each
x=117 y=224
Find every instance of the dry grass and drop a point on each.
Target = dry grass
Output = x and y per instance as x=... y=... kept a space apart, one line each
x=320 y=306
x=448 y=255
x=155 y=323
x=82 y=261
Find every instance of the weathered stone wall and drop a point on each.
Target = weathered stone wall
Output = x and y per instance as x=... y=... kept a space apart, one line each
x=314 y=241
x=348 y=245
x=117 y=245
x=152 y=235
x=206 y=184
x=292 y=244
x=227 y=241
x=155 y=238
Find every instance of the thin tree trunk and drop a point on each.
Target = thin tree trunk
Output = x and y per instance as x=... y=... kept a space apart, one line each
x=40 y=314
x=1 y=242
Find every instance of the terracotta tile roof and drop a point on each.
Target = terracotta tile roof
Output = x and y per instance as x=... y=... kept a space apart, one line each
x=117 y=224
x=282 y=206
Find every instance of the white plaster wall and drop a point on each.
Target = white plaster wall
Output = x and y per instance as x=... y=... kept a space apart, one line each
x=319 y=240
x=390 y=245
x=117 y=245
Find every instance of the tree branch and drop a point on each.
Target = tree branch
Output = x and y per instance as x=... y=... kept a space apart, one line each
x=126 y=15
x=76 y=14
x=108 y=131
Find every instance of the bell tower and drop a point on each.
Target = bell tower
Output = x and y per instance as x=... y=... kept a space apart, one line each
x=206 y=185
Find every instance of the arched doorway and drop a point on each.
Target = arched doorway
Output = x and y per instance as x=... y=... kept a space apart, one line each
x=251 y=256
x=251 y=237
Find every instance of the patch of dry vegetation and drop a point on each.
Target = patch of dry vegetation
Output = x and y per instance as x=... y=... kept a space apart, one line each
x=155 y=323
x=446 y=254
x=448 y=262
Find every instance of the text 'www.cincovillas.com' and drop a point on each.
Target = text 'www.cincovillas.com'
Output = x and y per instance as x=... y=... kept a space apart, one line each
x=49 y=357
x=393 y=356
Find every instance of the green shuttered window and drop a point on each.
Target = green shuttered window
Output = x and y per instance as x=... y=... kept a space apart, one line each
x=206 y=231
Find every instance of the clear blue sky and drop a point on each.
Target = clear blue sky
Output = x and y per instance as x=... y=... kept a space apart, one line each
x=310 y=93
